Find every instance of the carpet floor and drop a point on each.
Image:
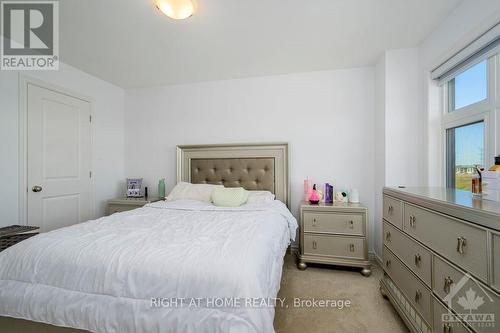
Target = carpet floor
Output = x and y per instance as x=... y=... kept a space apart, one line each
x=368 y=310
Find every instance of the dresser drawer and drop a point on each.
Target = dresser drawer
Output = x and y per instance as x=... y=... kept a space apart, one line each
x=451 y=284
x=495 y=250
x=412 y=254
x=116 y=208
x=455 y=240
x=334 y=223
x=393 y=211
x=415 y=291
x=444 y=322
x=334 y=246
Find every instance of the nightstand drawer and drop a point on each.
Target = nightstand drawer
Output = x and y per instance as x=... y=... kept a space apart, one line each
x=415 y=291
x=412 y=254
x=334 y=223
x=456 y=240
x=334 y=246
x=114 y=208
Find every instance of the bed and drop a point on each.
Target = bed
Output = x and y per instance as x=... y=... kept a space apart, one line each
x=180 y=266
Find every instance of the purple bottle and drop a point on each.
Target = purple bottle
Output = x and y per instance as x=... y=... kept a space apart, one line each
x=328 y=193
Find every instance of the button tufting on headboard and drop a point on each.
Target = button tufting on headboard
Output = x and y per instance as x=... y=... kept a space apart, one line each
x=249 y=173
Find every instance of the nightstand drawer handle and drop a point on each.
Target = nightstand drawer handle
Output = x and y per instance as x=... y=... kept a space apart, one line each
x=314 y=222
x=418 y=259
x=351 y=247
x=387 y=263
x=447 y=328
x=389 y=210
x=388 y=236
x=315 y=245
x=351 y=224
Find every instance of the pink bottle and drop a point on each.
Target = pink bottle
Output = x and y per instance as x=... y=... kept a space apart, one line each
x=307 y=188
x=314 y=197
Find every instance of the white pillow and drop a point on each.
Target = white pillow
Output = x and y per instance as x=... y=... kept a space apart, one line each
x=260 y=197
x=188 y=191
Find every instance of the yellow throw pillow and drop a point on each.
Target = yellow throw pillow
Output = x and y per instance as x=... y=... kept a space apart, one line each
x=229 y=196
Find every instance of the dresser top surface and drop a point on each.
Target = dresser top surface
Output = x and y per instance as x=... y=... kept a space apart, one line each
x=457 y=203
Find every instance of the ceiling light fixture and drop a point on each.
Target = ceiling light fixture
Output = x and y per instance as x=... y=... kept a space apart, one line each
x=176 y=9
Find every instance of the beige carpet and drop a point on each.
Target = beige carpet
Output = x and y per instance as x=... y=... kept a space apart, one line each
x=369 y=311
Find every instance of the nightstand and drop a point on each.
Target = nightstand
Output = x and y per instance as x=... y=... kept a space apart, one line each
x=124 y=204
x=334 y=234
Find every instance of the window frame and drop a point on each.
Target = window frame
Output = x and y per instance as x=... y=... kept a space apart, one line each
x=482 y=111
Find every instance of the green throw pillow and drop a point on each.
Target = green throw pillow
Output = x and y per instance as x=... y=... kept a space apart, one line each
x=229 y=196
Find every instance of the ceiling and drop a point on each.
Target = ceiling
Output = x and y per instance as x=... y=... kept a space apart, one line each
x=131 y=44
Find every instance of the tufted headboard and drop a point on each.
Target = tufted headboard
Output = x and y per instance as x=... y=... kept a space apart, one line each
x=251 y=166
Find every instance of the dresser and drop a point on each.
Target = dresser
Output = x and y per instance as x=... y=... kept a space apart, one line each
x=334 y=234
x=124 y=204
x=441 y=259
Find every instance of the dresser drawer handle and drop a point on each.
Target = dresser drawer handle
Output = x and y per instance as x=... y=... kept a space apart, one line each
x=315 y=245
x=418 y=296
x=351 y=224
x=387 y=263
x=390 y=209
x=351 y=247
x=448 y=281
x=418 y=259
x=447 y=328
x=314 y=222
x=413 y=219
x=388 y=236
x=461 y=243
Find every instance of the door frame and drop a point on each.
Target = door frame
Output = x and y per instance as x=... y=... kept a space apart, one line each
x=24 y=81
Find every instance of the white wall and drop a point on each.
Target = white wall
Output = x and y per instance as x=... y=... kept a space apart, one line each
x=398 y=127
x=467 y=22
x=108 y=128
x=379 y=170
x=327 y=117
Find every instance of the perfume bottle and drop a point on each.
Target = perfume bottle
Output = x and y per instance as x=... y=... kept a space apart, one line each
x=314 y=197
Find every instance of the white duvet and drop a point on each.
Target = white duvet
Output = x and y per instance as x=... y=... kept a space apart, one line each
x=102 y=275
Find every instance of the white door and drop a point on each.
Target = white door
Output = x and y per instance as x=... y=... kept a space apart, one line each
x=59 y=161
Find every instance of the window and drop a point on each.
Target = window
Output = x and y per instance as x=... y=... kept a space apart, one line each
x=468 y=87
x=465 y=150
x=468 y=106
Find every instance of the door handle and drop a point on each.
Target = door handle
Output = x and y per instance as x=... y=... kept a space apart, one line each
x=37 y=188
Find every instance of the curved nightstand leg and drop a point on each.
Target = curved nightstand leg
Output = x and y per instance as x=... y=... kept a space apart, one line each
x=302 y=265
x=366 y=271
